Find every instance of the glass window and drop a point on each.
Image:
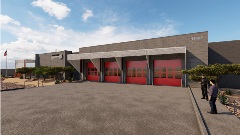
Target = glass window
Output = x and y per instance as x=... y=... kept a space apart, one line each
x=139 y=72
x=178 y=76
x=144 y=72
x=163 y=69
x=115 y=71
x=170 y=72
x=110 y=72
x=163 y=75
x=119 y=72
x=156 y=72
x=170 y=75
x=134 y=72
x=178 y=69
x=129 y=72
x=106 y=71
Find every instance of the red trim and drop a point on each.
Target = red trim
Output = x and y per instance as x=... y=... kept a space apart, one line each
x=167 y=72
x=112 y=73
x=92 y=73
x=136 y=72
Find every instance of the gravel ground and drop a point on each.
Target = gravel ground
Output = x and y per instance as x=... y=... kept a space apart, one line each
x=91 y=108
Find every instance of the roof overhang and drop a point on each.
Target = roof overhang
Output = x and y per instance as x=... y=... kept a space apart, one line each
x=127 y=53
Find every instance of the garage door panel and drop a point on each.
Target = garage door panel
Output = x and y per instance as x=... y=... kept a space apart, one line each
x=136 y=72
x=92 y=73
x=167 y=72
x=112 y=72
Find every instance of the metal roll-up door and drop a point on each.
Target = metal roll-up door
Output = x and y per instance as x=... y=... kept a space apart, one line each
x=167 y=72
x=92 y=73
x=136 y=72
x=112 y=73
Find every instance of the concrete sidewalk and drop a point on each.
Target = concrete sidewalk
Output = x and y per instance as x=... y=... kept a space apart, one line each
x=222 y=123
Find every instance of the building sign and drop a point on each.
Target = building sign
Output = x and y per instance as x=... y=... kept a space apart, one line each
x=57 y=56
x=197 y=38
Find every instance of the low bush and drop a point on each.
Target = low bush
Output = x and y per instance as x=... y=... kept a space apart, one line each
x=228 y=92
x=70 y=79
x=223 y=98
x=57 y=82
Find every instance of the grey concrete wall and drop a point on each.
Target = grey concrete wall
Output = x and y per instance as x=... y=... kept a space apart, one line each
x=45 y=60
x=10 y=72
x=226 y=53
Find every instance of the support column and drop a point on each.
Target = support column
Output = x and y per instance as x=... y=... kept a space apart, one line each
x=149 y=73
x=119 y=62
x=185 y=66
x=96 y=63
x=76 y=64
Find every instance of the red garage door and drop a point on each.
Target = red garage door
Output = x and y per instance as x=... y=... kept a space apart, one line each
x=136 y=72
x=92 y=73
x=112 y=72
x=167 y=72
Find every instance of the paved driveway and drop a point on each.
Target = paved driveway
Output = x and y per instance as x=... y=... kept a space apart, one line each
x=91 y=108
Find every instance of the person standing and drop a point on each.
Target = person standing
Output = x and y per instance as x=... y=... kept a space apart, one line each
x=213 y=91
x=204 y=83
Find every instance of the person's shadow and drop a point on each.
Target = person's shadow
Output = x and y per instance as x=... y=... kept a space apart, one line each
x=226 y=113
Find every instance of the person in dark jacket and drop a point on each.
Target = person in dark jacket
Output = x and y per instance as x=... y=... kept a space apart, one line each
x=212 y=92
x=204 y=83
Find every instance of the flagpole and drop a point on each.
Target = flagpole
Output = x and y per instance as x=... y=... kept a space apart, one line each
x=6 y=66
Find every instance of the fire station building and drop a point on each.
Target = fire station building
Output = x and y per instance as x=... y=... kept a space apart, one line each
x=156 y=61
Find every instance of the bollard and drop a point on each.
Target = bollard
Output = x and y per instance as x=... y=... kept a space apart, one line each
x=234 y=106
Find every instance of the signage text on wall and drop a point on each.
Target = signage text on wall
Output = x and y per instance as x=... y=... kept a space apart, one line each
x=57 y=56
x=197 y=38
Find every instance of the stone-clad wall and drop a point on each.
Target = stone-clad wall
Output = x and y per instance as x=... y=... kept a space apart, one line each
x=45 y=60
x=196 y=43
x=224 y=52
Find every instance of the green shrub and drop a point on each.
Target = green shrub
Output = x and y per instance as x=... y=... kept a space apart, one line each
x=57 y=82
x=223 y=98
x=70 y=79
x=228 y=92
x=21 y=77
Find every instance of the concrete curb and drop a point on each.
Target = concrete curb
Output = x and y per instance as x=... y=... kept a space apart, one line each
x=201 y=122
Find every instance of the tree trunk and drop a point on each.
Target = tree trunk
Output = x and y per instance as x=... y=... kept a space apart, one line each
x=38 y=81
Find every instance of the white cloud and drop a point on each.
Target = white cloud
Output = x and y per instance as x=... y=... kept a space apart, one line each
x=52 y=37
x=107 y=30
x=58 y=27
x=86 y=15
x=4 y=19
x=57 y=9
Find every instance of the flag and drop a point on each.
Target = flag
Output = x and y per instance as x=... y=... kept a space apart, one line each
x=5 y=54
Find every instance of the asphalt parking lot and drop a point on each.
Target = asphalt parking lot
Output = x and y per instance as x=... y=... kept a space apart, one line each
x=92 y=108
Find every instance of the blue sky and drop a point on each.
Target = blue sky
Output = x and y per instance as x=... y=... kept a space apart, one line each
x=39 y=26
